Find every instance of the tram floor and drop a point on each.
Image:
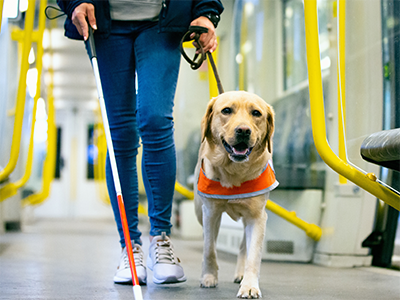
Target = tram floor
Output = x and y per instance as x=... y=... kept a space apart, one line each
x=76 y=259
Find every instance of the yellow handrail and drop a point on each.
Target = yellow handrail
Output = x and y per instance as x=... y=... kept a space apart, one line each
x=242 y=80
x=341 y=70
x=99 y=164
x=1 y=12
x=50 y=161
x=318 y=115
x=11 y=189
x=21 y=94
x=184 y=191
x=312 y=230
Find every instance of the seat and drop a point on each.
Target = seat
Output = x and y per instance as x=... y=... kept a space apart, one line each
x=383 y=148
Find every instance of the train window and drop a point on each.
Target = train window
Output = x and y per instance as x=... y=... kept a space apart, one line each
x=294 y=44
x=59 y=159
x=270 y=55
x=91 y=152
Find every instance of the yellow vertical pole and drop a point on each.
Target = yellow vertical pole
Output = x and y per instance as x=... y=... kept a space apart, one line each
x=1 y=12
x=242 y=62
x=21 y=93
x=213 y=87
x=100 y=163
x=39 y=67
x=341 y=70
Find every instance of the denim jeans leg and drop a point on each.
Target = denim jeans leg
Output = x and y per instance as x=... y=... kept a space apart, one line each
x=117 y=72
x=157 y=65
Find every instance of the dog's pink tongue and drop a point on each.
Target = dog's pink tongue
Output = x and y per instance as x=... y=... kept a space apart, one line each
x=239 y=152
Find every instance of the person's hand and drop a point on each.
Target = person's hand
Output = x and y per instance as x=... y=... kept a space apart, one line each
x=83 y=14
x=207 y=40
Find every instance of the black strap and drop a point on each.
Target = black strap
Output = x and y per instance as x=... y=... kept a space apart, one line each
x=53 y=8
x=198 y=59
x=197 y=30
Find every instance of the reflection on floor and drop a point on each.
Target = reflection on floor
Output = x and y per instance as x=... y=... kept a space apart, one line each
x=53 y=259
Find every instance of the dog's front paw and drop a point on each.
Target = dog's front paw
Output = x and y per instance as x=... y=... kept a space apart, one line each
x=249 y=292
x=209 y=281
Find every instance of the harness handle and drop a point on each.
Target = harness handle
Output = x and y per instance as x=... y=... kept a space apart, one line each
x=198 y=58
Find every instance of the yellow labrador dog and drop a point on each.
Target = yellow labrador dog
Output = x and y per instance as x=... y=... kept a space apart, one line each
x=235 y=175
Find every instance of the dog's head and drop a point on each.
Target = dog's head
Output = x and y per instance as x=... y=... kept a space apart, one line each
x=239 y=122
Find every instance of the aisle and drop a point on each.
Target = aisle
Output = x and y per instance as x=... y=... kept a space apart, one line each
x=53 y=259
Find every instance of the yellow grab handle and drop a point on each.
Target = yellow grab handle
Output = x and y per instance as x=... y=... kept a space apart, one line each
x=318 y=115
x=184 y=191
x=312 y=230
x=21 y=94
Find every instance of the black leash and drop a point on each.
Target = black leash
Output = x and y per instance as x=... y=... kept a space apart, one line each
x=198 y=59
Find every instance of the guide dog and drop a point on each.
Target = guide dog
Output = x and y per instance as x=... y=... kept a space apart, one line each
x=235 y=175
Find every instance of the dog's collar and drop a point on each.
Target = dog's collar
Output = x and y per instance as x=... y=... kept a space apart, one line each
x=263 y=184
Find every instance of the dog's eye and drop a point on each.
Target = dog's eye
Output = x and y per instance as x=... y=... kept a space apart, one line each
x=256 y=113
x=226 y=111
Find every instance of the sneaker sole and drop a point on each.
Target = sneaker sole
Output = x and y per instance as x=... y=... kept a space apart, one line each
x=119 y=280
x=169 y=280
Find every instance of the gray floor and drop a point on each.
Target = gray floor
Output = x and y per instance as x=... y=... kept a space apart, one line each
x=77 y=260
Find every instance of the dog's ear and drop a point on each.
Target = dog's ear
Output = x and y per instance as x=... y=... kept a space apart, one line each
x=206 y=121
x=270 y=128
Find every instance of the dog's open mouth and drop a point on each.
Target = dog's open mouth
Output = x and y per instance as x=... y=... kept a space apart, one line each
x=238 y=152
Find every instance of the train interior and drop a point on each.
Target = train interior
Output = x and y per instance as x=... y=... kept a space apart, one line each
x=329 y=69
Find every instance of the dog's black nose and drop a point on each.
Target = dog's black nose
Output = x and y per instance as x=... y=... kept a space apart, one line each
x=243 y=131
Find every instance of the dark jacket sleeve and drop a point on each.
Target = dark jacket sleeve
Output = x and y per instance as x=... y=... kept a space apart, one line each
x=176 y=15
x=68 y=6
x=203 y=7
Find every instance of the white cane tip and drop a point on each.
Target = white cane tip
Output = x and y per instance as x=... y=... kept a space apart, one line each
x=137 y=292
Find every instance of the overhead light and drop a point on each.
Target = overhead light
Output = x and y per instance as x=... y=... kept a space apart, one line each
x=41 y=125
x=31 y=81
x=239 y=58
x=10 y=9
x=23 y=5
x=31 y=58
x=46 y=39
x=249 y=9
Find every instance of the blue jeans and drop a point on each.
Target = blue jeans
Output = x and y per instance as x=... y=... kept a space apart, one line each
x=143 y=112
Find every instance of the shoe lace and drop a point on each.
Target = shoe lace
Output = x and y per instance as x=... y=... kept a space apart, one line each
x=164 y=251
x=137 y=255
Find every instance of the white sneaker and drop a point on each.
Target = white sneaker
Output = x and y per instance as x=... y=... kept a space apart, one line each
x=123 y=274
x=162 y=261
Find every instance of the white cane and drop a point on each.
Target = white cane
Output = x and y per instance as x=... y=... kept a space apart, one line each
x=137 y=291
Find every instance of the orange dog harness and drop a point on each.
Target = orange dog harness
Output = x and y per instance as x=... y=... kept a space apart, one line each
x=263 y=184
